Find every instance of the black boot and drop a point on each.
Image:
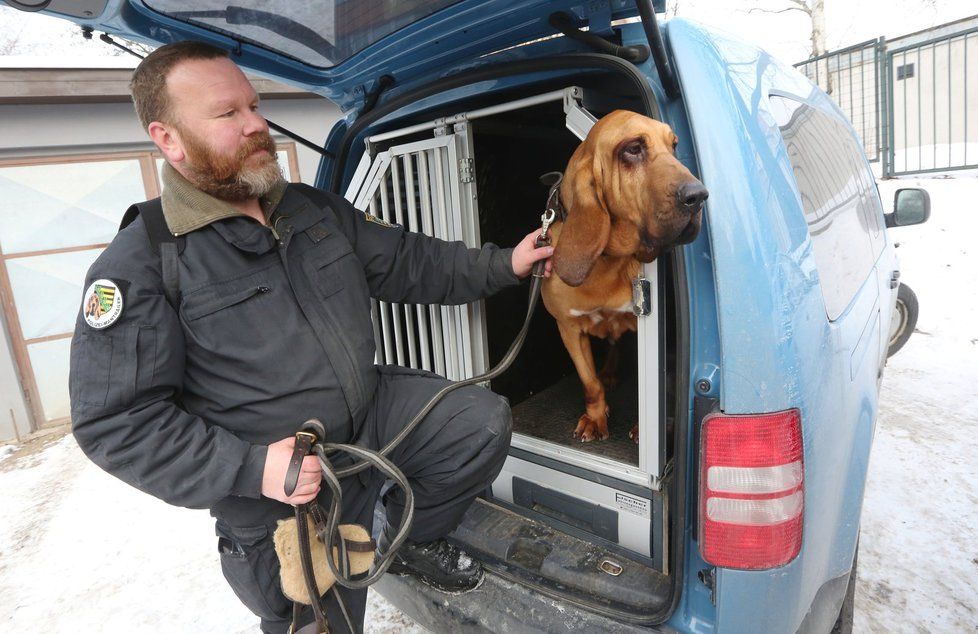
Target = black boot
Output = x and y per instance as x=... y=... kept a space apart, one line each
x=437 y=563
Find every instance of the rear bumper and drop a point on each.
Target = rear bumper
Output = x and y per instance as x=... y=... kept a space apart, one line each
x=497 y=605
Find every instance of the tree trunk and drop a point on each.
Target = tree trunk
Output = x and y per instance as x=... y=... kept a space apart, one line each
x=817 y=14
x=818 y=27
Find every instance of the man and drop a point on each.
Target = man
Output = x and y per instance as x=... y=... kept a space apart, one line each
x=197 y=401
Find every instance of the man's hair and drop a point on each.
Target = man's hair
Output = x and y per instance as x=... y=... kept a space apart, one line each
x=148 y=84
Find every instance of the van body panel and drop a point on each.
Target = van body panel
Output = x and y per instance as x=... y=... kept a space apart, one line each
x=779 y=350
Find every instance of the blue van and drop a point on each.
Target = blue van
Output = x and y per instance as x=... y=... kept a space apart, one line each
x=754 y=376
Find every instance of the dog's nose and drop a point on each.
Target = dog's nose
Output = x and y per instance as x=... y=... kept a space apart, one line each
x=692 y=195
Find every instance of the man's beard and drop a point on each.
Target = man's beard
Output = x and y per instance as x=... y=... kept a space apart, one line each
x=227 y=177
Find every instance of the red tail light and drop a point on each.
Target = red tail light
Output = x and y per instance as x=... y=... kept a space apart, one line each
x=752 y=490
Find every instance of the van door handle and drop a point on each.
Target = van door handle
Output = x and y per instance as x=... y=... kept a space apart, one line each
x=894 y=279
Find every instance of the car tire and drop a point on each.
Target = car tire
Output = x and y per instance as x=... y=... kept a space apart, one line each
x=904 y=319
x=843 y=624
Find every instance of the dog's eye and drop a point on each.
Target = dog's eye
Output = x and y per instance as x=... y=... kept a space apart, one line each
x=633 y=148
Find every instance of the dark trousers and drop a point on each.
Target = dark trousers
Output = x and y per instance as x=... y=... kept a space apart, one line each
x=449 y=458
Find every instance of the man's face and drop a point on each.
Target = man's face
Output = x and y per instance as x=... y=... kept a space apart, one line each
x=227 y=150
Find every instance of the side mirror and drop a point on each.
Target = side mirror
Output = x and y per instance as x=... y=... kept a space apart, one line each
x=911 y=206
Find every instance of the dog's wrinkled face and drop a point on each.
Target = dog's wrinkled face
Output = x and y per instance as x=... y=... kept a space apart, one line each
x=626 y=194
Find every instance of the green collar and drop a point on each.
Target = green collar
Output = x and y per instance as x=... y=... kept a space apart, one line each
x=187 y=209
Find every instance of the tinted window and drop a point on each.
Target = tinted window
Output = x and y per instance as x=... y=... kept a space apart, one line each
x=838 y=195
x=317 y=33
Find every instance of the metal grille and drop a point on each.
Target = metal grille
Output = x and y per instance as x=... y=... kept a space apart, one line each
x=417 y=185
x=851 y=76
x=932 y=99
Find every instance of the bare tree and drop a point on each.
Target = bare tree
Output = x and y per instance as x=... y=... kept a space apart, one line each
x=815 y=10
x=672 y=8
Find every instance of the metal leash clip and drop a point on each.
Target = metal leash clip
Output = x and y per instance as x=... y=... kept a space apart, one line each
x=543 y=240
x=546 y=220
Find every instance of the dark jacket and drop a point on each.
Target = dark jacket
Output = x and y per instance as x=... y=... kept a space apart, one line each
x=181 y=403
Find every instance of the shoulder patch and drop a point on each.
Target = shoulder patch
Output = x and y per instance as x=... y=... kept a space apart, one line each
x=102 y=305
x=374 y=219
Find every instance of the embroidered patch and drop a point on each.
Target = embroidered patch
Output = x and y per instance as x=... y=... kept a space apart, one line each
x=103 y=304
x=379 y=221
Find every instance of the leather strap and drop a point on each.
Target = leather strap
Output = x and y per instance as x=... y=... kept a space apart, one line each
x=305 y=552
x=303 y=443
x=165 y=244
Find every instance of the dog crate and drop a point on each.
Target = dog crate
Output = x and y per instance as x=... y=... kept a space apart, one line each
x=474 y=176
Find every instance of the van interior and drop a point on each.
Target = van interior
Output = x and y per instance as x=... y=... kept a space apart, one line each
x=557 y=499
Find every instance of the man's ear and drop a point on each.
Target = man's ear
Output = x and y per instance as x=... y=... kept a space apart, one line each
x=585 y=232
x=167 y=141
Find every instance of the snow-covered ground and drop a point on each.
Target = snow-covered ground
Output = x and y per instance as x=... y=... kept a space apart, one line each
x=918 y=557
x=82 y=552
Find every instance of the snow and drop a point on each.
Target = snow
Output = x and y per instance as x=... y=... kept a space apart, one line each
x=81 y=551
x=918 y=563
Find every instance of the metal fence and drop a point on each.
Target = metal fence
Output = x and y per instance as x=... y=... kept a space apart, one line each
x=910 y=105
x=930 y=100
x=852 y=77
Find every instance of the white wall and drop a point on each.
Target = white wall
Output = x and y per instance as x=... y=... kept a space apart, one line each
x=311 y=119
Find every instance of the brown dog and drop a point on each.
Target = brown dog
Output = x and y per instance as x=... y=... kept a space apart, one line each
x=627 y=200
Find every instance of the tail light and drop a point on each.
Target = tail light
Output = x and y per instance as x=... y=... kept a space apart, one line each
x=752 y=490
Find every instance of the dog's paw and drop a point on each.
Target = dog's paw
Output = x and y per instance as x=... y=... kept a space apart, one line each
x=634 y=434
x=589 y=429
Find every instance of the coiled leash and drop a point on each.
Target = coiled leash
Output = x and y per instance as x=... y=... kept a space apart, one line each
x=311 y=438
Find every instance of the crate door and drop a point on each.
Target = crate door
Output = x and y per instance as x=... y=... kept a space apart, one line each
x=427 y=187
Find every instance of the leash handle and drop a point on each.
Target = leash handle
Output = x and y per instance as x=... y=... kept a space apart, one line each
x=311 y=432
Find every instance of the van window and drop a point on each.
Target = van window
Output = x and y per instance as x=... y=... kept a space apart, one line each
x=320 y=34
x=838 y=196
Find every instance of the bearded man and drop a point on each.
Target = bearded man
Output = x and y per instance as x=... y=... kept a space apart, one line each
x=195 y=398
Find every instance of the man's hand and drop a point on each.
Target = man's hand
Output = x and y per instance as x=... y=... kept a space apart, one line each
x=526 y=253
x=276 y=466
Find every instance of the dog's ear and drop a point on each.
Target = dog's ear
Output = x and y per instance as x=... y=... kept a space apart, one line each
x=585 y=232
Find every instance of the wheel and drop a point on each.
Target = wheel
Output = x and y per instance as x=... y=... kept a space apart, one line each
x=843 y=624
x=904 y=319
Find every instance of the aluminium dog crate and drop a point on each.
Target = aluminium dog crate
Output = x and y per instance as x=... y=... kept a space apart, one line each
x=426 y=178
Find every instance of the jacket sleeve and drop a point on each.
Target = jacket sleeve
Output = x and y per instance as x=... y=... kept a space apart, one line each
x=403 y=266
x=125 y=382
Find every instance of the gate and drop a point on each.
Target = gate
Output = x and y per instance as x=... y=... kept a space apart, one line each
x=909 y=104
x=852 y=77
x=929 y=102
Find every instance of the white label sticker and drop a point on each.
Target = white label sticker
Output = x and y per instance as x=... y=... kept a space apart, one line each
x=633 y=505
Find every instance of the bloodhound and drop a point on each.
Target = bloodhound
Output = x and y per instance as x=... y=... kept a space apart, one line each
x=627 y=200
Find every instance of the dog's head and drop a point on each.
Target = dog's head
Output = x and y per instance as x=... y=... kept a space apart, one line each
x=625 y=194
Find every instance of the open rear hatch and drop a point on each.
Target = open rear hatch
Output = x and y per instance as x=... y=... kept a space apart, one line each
x=341 y=48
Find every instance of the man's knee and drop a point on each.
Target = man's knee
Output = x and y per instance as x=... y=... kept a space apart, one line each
x=500 y=418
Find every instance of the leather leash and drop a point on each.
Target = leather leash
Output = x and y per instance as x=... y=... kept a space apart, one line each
x=311 y=438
